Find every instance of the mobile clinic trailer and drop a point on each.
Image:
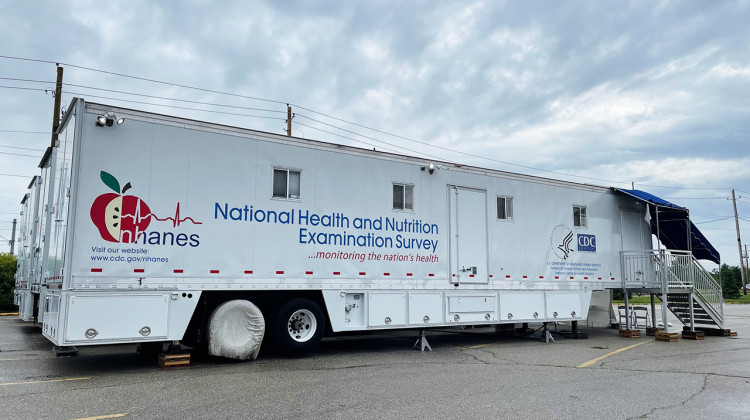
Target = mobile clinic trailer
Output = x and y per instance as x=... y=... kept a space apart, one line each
x=166 y=229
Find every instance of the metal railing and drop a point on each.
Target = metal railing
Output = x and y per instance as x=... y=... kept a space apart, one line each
x=671 y=270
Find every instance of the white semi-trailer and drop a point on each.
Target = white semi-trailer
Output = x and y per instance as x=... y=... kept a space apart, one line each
x=156 y=229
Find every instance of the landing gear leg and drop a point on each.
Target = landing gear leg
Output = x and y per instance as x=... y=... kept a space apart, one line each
x=422 y=343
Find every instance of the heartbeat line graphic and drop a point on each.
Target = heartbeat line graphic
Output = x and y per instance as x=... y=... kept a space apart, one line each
x=176 y=220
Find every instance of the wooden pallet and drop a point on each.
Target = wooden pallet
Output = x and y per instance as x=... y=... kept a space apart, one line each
x=651 y=331
x=666 y=336
x=630 y=333
x=171 y=361
x=693 y=335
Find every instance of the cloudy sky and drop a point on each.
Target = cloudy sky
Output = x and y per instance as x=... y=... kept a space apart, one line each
x=656 y=93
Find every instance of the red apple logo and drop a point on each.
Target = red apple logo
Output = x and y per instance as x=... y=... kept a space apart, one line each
x=119 y=217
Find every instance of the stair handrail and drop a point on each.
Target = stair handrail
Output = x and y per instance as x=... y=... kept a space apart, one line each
x=685 y=271
x=708 y=290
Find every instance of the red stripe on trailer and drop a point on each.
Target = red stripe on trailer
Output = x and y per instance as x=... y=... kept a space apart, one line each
x=178 y=270
x=214 y=271
x=386 y=274
x=362 y=273
x=585 y=278
x=571 y=277
x=541 y=277
x=337 y=273
x=525 y=277
x=408 y=274
x=96 y=270
x=507 y=277
x=248 y=271
x=471 y=275
x=557 y=277
x=431 y=275
x=138 y=270
x=308 y=272
x=600 y=278
x=279 y=272
x=612 y=278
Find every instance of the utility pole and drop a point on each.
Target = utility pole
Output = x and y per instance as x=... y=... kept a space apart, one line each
x=289 y=117
x=739 y=244
x=747 y=266
x=13 y=237
x=56 y=109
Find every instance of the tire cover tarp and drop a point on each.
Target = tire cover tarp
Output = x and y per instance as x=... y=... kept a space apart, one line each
x=236 y=330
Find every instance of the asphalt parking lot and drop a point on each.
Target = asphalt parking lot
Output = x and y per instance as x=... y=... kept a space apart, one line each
x=470 y=374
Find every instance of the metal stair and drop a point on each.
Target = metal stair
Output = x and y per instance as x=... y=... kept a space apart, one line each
x=689 y=288
x=679 y=305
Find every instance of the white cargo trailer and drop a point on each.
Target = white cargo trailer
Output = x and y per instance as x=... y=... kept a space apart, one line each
x=26 y=291
x=153 y=222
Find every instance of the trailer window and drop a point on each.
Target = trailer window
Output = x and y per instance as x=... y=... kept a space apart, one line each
x=579 y=216
x=505 y=208
x=286 y=184
x=403 y=197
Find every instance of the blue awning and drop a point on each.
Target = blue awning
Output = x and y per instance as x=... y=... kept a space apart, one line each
x=675 y=226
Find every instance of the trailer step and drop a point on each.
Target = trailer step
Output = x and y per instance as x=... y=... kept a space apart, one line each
x=666 y=336
x=693 y=335
x=716 y=332
x=630 y=333
x=171 y=361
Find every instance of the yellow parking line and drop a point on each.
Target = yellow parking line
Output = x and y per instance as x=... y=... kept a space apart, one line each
x=42 y=382
x=600 y=358
x=108 y=416
x=9 y=314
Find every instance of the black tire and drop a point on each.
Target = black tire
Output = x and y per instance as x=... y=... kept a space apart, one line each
x=298 y=327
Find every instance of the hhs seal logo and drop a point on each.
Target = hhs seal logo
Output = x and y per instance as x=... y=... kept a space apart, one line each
x=560 y=241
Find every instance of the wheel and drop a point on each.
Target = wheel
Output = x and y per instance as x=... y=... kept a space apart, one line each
x=235 y=330
x=298 y=326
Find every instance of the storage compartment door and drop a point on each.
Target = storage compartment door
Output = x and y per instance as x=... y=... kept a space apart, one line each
x=100 y=318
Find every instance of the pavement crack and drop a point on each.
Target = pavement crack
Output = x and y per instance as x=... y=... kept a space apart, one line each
x=685 y=401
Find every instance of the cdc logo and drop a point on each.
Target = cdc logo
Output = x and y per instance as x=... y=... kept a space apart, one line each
x=586 y=243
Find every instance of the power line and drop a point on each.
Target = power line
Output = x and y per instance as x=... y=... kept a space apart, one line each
x=694 y=198
x=27 y=80
x=22 y=148
x=715 y=220
x=174 y=99
x=25 y=132
x=18 y=154
x=16 y=175
x=176 y=107
x=145 y=79
x=322 y=114
x=345 y=137
x=23 y=88
x=304 y=108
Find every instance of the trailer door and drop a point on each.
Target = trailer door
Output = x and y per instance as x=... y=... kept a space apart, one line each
x=468 y=235
x=631 y=225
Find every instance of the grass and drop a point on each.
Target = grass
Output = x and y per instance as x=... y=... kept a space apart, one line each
x=646 y=300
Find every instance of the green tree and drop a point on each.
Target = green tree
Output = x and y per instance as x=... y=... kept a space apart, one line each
x=7 y=281
x=731 y=280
